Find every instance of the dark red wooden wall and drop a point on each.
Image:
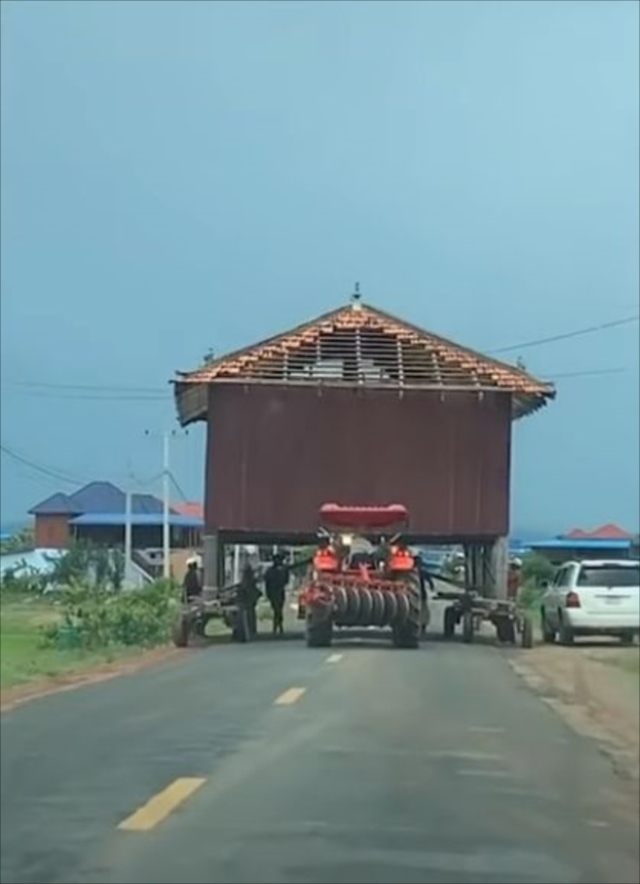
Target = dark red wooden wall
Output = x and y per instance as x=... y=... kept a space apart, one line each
x=274 y=455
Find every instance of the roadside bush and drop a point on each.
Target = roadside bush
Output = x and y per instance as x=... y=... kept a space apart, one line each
x=536 y=569
x=21 y=582
x=95 y=617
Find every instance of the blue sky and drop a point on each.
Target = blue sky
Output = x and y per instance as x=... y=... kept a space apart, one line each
x=179 y=176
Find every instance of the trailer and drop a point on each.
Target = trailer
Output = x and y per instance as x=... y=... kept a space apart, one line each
x=470 y=608
x=194 y=614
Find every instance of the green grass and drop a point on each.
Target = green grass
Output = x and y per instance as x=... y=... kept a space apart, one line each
x=22 y=657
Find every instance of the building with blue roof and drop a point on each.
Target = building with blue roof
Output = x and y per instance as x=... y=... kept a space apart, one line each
x=96 y=513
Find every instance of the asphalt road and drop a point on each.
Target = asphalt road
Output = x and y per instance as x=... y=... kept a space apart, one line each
x=276 y=763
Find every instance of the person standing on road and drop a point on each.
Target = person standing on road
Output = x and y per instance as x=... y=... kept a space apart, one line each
x=424 y=578
x=275 y=580
x=248 y=595
x=191 y=586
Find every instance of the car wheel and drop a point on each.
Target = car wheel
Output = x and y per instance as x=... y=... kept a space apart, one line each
x=627 y=638
x=566 y=632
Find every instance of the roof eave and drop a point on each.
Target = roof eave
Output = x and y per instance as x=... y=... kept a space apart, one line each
x=192 y=397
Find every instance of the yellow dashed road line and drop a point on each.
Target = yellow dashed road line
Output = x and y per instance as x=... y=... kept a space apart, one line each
x=290 y=696
x=161 y=805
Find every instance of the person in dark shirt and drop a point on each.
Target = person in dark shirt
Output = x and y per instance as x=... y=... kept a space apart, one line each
x=248 y=595
x=275 y=580
x=191 y=586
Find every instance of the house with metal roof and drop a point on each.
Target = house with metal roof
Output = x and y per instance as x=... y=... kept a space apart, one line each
x=607 y=542
x=96 y=513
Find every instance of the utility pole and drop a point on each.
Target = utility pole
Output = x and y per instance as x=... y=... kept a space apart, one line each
x=166 y=531
x=166 y=476
x=128 y=537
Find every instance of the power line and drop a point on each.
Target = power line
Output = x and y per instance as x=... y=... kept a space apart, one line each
x=40 y=468
x=537 y=342
x=584 y=374
x=178 y=488
x=114 y=388
x=61 y=476
x=125 y=393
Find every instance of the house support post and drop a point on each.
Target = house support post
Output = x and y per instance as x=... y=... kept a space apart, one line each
x=210 y=561
x=500 y=567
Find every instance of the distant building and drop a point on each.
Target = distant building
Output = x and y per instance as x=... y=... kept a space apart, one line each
x=607 y=542
x=96 y=513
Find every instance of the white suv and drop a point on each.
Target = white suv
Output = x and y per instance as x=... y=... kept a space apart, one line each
x=593 y=598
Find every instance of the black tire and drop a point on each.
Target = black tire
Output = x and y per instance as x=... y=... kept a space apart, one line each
x=378 y=608
x=627 y=638
x=526 y=636
x=319 y=632
x=341 y=604
x=566 y=633
x=548 y=633
x=468 y=627
x=181 y=631
x=450 y=620
x=406 y=633
x=241 y=632
x=352 y=615
x=506 y=629
x=392 y=612
x=366 y=606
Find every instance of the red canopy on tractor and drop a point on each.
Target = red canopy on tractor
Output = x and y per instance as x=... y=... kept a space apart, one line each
x=332 y=515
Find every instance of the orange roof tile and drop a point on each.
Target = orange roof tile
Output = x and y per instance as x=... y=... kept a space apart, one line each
x=193 y=509
x=360 y=344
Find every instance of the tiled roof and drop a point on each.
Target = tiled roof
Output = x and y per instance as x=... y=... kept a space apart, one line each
x=189 y=508
x=359 y=344
x=604 y=532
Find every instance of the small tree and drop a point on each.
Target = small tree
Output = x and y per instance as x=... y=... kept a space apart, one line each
x=536 y=569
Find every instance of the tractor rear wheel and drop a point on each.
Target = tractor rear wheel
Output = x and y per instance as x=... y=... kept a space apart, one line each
x=468 y=627
x=319 y=632
x=406 y=632
x=450 y=620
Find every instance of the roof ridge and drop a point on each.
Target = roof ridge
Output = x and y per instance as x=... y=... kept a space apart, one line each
x=421 y=359
x=355 y=307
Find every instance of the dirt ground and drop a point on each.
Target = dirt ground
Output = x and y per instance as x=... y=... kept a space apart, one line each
x=595 y=687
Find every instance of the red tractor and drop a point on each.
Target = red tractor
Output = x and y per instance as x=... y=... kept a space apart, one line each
x=359 y=579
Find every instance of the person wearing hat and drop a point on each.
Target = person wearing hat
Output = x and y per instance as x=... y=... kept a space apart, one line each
x=192 y=585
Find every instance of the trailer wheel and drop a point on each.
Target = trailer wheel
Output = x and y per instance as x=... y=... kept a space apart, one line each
x=200 y=627
x=468 y=627
x=450 y=620
x=319 y=633
x=506 y=630
x=180 y=631
x=526 y=636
